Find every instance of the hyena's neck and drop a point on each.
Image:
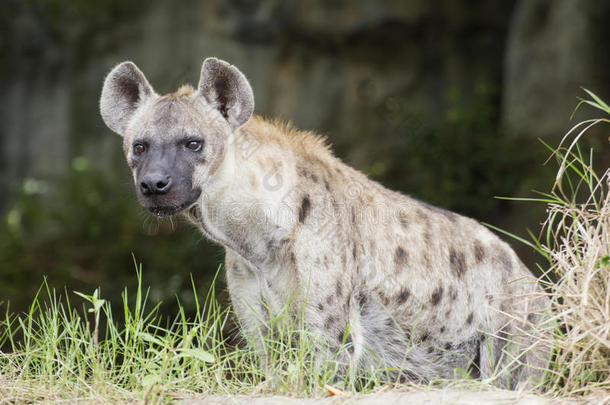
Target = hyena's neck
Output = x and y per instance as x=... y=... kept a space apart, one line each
x=250 y=207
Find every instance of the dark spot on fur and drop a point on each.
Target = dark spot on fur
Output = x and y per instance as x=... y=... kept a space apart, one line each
x=427 y=262
x=314 y=178
x=430 y=349
x=469 y=319
x=458 y=262
x=448 y=312
x=404 y=221
x=447 y=346
x=479 y=252
x=425 y=337
x=427 y=238
x=422 y=215
x=304 y=210
x=400 y=256
x=354 y=252
x=531 y=317
x=353 y=215
x=389 y=322
x=271 y=244
x=403 y=295
x=326 y=185
x=339 y=290
x=320 y=306
x=329 y=321
x=437 y=295
x=453 y=293
x=330 y=299
x=362 y=299
x=442 y=330
x=506 y=264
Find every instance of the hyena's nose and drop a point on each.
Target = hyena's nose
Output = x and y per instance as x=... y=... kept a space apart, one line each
x=155 y=184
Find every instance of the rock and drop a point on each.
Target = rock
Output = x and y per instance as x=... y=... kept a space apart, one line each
x=553 y=48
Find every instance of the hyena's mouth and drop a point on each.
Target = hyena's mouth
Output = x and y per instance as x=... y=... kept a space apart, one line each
x=168 y=211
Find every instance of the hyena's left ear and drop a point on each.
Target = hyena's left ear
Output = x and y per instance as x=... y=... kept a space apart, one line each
x=125 y=88
x=225 y=88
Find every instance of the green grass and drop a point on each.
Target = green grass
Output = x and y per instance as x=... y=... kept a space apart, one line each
x=56 y=352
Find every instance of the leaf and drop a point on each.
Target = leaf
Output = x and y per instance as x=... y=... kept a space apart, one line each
x=520 y=239
x=198 y=354
x=150 y=379
x=333 y=392
x=600 y=103
x=603 y=261
x=150 y=338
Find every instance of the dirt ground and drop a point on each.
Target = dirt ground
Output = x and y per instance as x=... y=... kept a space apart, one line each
x=433 y=397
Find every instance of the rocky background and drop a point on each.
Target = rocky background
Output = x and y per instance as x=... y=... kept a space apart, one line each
x=443 y=100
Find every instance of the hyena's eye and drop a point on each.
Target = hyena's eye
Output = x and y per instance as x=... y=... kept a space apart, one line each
x=195 y=146
x=139 y=148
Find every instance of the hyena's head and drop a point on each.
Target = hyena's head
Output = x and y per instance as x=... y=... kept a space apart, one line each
x=174 y=143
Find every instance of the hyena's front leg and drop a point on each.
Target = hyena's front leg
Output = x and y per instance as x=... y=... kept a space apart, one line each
x=248 y=303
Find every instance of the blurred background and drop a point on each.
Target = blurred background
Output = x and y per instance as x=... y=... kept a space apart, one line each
x=443 y=100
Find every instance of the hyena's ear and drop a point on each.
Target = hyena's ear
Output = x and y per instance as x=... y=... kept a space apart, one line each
x=225 y=88
x=125 y=88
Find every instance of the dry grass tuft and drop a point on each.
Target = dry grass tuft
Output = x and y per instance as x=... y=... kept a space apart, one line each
x=577 y=235
x=581 y=296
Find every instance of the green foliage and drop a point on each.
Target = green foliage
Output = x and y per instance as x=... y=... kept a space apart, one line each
x=69 y=17
x=54 y=351
x=82 y=230
x=460 y=160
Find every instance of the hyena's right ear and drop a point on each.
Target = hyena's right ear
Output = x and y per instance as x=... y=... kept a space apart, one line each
x=226 y=89
x=125 y=88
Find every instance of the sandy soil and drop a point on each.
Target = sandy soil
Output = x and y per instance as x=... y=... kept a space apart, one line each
x=435 y=397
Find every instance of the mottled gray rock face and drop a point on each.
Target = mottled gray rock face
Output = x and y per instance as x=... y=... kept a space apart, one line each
x=355 y=71
x=554 y=47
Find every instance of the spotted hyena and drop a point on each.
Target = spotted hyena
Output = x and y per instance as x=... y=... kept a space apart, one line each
x=400 y=283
